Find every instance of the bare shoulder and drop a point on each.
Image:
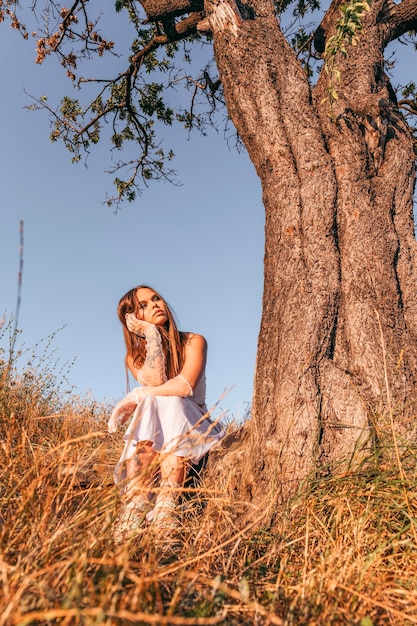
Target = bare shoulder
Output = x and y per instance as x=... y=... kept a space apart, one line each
x=196 y=341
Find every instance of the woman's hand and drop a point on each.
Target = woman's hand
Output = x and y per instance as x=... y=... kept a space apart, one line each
x=122 y=411
x=140 y=327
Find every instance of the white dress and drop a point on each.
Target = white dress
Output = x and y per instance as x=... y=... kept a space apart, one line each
x=174 y=425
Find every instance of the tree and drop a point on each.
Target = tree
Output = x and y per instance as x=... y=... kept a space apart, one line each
x=333 y=148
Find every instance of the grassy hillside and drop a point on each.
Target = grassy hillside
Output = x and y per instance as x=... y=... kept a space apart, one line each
x=345 y=552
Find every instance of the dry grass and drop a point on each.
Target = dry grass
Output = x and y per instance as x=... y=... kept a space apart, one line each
x=342 y=553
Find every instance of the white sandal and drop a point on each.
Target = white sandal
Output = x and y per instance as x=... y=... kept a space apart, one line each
x=165 y=515
x=130 y=520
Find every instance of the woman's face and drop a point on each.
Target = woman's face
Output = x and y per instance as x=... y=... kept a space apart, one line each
x=151 y=307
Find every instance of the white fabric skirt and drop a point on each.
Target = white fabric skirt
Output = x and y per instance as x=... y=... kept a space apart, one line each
x=175 y=425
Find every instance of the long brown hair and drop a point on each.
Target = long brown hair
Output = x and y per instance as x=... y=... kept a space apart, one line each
x=173 y=341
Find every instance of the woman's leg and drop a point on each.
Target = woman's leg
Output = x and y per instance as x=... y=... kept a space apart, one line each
x=140 y=472
x=172 y=471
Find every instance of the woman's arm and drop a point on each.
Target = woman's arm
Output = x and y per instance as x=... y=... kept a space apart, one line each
x=195 y=355
x=152 y=371
x=181 y=386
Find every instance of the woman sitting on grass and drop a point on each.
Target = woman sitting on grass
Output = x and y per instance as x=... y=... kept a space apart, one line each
x=170 y=425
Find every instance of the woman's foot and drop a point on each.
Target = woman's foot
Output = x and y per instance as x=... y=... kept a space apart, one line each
x=165 y=515
x=130 y=520
x=166 y=530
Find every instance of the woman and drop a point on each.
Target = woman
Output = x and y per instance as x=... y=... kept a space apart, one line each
x=170 y=424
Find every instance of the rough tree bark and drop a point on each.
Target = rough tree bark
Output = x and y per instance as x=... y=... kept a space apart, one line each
x=340 y=292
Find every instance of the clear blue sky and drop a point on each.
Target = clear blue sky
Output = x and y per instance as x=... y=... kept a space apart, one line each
x=199 y=244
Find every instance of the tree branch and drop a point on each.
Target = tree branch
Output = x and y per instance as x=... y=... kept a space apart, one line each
x=158 y=9
x=179 y=31
x=400 y=18
x=326 y=25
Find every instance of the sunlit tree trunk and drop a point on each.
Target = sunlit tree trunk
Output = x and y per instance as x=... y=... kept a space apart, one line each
x=340 y=297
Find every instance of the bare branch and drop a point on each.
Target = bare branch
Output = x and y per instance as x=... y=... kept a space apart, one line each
x=409 y=106
x=52 y=40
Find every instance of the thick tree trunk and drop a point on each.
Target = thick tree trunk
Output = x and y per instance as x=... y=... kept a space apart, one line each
x=340 y=295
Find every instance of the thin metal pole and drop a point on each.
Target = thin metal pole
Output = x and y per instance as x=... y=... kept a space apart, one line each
x=19 y=291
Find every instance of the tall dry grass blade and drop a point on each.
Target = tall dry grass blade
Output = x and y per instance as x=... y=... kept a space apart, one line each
x=393 y=432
